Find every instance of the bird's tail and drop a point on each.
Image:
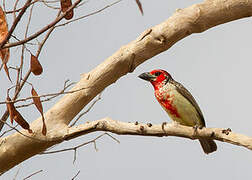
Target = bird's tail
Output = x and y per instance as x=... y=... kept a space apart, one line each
x=208 y=145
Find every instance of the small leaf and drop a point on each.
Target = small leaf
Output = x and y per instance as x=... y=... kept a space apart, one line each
x=139 y=6
x=36 y=100
x=65 y=4
x=7 y=71
x=21 y=121
x=36 y=67
x=10 y=108
x=39 y=106
x=4 y=53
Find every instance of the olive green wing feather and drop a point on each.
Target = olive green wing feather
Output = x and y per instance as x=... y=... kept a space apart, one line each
x=184 y=92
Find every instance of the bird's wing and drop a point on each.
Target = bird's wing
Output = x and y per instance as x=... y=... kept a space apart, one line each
x=184 y=92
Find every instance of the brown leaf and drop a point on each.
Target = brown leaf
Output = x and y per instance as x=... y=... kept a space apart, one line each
x=139 y=6
x=21 y=121
x=36 y=67
x=7 y=71
x=10 y=108
x=14 y=114
x=65 y=4
x=39 y=106
x=4 y=53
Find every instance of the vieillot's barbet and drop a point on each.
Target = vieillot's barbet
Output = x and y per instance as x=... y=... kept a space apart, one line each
x=178 y=102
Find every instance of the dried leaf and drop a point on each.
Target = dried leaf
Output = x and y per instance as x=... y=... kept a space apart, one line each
x=10 y=108
x=65 y=4
x=14 y=114
x=39 y=106
x=4 y=53
x=139 y=6
x=21 y=121
x=7 y=71
x=36 y=67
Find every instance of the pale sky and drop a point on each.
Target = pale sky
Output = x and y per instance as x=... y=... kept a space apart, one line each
x=215 y=66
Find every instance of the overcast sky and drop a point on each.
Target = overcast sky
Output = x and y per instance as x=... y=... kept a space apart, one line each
x=215 y=66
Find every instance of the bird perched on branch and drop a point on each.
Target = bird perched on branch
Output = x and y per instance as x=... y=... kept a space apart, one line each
x=178 y=102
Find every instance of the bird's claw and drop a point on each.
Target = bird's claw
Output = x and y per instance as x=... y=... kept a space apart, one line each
x=196 y=127
x=163 y=125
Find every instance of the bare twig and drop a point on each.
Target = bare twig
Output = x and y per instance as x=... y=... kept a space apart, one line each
x=8 y=131
x=33 y=174
x=4 y=5
x=17 y=173
x=19 y=9
x=28 y=43
x=83 y=144
x=89 y=108
x=33 y=36
x=49 y=6
x=93 y=13
x=16 y=21
x=30 y=137
x=6 y=113
x=45 y=95
x=76 y=175
x=22 y=51
x=46 y=37
x=14 y=9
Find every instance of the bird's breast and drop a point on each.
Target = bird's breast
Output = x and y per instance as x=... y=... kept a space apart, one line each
x=177 y=106
x=166 y=98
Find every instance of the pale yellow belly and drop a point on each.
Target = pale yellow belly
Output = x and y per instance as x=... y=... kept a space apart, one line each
x=188 y=115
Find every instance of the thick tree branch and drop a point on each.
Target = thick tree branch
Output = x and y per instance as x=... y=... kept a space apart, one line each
x=197 y=18
x=172 y=129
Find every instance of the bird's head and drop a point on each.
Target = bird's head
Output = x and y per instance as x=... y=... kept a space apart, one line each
x=157 y=78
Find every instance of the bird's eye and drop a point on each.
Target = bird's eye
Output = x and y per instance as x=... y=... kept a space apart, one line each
x=157 y=73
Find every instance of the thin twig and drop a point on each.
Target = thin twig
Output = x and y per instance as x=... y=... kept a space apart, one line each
x=7 y=131
x=17 y=173
x=6 y=113
x=33 y=174
x=76 y=175
x=14 y=9
x=90 y=107
x=93 y=13
x=16 y=21
x=52 y=24
x=83 y=144
x=17 y=10
x=23 y=48
x=4 y=6
x=46 y=37
x=28 y=43
x=36 y=139
x=46 y=95
x=49 y=6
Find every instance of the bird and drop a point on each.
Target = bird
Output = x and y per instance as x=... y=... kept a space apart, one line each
x=179 y=103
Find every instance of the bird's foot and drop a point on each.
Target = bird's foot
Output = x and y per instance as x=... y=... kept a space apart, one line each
x=163 y=125
x=196 y=127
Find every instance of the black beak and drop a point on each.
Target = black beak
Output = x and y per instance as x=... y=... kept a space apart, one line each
x=147 y=76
